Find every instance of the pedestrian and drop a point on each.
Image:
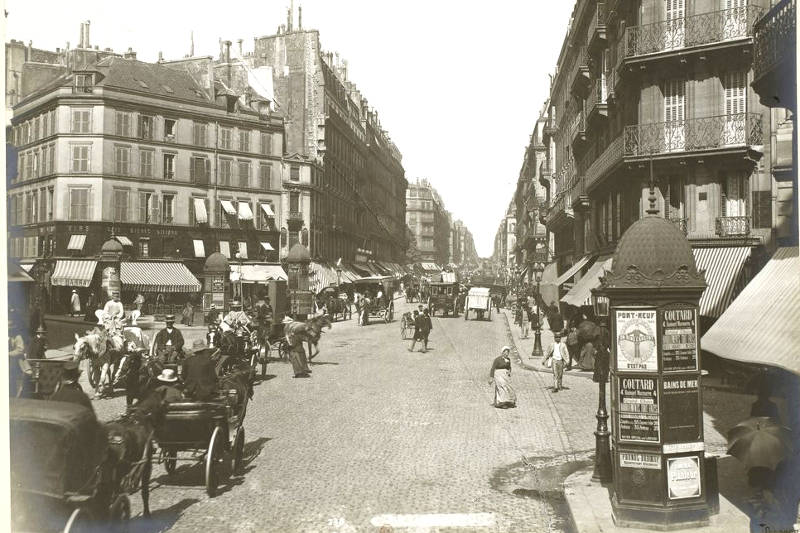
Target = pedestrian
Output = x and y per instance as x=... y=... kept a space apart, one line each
x=556 y=354
x=187 y=315
x=524 y=323
x=133 y=381
x=297 y=354
x=74 y=303
x=554 y=319
x=533 y=318
x=417 y=336
x=68 y=389
x=763 y=406
x=500 y=377
x=573 y=347
x=36 y=318
x=426 y=328
x=16 y=354
x=38 y=346
x=587 y=356
x=139 y=302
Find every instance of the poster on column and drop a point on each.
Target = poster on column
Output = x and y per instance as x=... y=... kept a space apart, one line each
x=679 y=339
x=637 y=350
x=638 y=414
x=683 y=477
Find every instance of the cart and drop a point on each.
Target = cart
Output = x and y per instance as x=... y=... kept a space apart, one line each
x=60 y=477
x=379 y=308
x=209 y=432
x=478 y=300
x=406 y=326
x=443 y=295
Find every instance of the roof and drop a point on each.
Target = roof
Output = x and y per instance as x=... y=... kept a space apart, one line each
x=152 y=78
x=760 y=326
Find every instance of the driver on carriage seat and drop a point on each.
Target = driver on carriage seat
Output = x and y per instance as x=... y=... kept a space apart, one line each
x=68 y=389
x=200 y=375
x=169 y=341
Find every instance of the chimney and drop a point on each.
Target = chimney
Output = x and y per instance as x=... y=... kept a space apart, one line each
x=227 y=55
x=344 y=69
x=130 y=54
x=299 y=18
x=239 y=42
x=210 y=80
x=191 y=47
x=160 y=57
x=290 y=26
x=83 y=34
x=86 y=37
x=289 y=20
x=30 y=50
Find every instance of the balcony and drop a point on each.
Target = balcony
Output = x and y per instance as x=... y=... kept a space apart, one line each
x=707 y=134
x=579 y=74
x=544 y=174
x=597 y=27
x=775 y=52
x=732 y=226
x=577 y=130
x=703 y=30
x=597 y=103
x=682 y=223
x=548 y=130
x=294 y=220
x=598 y=168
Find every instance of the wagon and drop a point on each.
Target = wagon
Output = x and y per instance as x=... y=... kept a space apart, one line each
x=380 y=308
x=478 y=300
x=443 y=296
x=60 y=478
x=43 y=378
x=406 y=326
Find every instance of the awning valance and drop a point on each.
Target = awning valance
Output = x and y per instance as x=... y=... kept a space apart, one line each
x=73 y=273
x=18 y=273
x=581 y=293
x=227 y=206
x=76 y=242
x=157 y=277
x=245 y=213
x=268 y=210
x=267 y=246
x=257 y=273
x=723 y=268
x=761 y=325
x=199 y=248
x=200 y=213
x=124 y=241
x=571 y=271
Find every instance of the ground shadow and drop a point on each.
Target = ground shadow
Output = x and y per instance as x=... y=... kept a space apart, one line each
x=315 y=363
x=161 y=519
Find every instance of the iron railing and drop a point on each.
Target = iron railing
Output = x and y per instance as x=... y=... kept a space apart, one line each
x=597 y=95
x=577 y=125
x=580 y=62
x=598 y=21
x=706 y=133
x=295 y=215
x=598 y=166
x=682 y=223
x=732 y=226
x=686 y=32
x=774 y=37
x=549 y=127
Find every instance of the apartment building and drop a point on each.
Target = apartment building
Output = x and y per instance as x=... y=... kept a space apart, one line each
x=429 y=222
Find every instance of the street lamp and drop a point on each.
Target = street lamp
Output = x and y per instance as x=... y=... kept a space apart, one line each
x=602 y=451
x=238 y=258
x=338 y=277
x=538 y=270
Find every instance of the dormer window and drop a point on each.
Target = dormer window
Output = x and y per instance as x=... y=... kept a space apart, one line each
x=84 y=82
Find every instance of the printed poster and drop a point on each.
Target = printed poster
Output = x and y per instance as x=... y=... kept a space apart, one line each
x=683 y=477
x=649 y=461
x=679 y=339
x=636 y=332
x=638 y=414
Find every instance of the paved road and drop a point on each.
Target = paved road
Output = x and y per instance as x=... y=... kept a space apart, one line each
x=380 y=436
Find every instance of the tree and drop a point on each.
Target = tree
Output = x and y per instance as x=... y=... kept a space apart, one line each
x=412 y=252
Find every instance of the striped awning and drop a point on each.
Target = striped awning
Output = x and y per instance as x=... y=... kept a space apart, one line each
x=267 y=246
x=227 y=206
x=571 y=271
x=257 y=273
x=268 y=210
x=73 y=273
x=430 y=267
x=200 y=214
x=245 y=213
x=18 y=273
x=761 y=325
x=124 y=241
x=199 y=248
x=724 y=277
x=157 y=277
x=348 y=276
x=76 y=242
x=581 y=293
x=321 y=276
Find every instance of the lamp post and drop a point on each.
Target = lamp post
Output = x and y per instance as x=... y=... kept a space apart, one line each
x=238 y=257
x=602 y=453
x=538 y=270
x=338 y=277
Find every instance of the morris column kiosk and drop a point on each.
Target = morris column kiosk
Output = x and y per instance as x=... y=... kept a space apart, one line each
x=656 y=401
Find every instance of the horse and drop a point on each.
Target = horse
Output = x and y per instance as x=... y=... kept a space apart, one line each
x=336 y=306
x=102 y=350
x=309 y=332
x=129 y=436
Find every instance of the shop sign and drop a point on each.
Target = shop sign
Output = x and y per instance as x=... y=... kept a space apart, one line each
x=679 y=339
x=217 y=284
x=681 y=400
x=649 y=461
x=683 y=477
x=637 y=349
x=638 y=414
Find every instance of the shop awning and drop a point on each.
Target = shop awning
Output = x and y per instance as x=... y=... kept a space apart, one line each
x=257 y=273
x=124 y=241
x=245 y=213
x=723 y=268
x=268 y=210
x=76 y=242
x=361 y=270
x=26 y=266
x=199 y=248
x=581 y=293
x=348 y=276
x=267 y=246
x=571 y=271
x=73 y=273
x=548 y=287
x=430 y=267
x=227 y=206
x=321 y=276
x=761 y=325
x=200 y=214
x=225 y=248
x=18 y=274
x=157 y=277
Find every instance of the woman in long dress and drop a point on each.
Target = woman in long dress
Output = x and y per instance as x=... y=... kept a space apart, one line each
x=500 y=376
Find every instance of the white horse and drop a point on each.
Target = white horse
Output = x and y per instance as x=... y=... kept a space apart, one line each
x=95 y=347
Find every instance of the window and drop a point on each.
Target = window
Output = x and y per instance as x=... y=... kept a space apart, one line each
x=735 y=190
x=225 y=171
x=735 y=86
x=144 y=247
x=52 y=122
x=36 y=125
x=81 y=120
x=145 y=127
x=45 y=124
x=50 y=197
x=199 y=134
x=244 y=141
x=198 y=214
x=42 y=205
x=170 y=129
x=266 y=143
x=674 y=115
x=79 y=204
x=148 y=208
x=120 y=205
x=199 y=170
x=146 y=163
x=244 y=174
x=51 y=159
x=122 y=160
x=84 y=82
x=225 y=136
x=168 y=208
x=28 y=209
x=265 y=176
x=294 y=202
x=264 y=220
x=123 y=124
x=80 y=158
x=169 y=166
x=294 y=173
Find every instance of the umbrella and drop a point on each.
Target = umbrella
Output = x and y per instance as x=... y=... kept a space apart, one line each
x=759 y=442
x=588 y=331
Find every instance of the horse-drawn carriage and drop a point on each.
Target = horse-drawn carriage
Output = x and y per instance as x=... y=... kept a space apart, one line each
x=62 y=474
x=443 y=294
x=336 y=303
x=379 y=307
x=478 y=300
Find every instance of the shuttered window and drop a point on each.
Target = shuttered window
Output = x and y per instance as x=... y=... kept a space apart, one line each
x=735 y=84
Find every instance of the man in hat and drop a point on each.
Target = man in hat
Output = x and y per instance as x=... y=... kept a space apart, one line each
x=68 y=389
x=558 y=354
x=213 y=315
x=236 y=317
x=16 y=354
x=169 y=385
x=169 y=341
x=214 y=335
x=199 y=373
x=74 y=303
x=38 y=344
x=113 y=309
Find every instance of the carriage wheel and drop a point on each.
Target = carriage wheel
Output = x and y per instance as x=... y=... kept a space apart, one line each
x=264 y=364
x=238 y=451
x=80 y=521
x=147 y=469
x=119 y=514
x=170 y=458
x=214 y=459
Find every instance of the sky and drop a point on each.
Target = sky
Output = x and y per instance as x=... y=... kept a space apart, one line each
x=458 y=84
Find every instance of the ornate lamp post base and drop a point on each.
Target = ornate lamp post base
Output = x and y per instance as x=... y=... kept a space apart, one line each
x=602 y=449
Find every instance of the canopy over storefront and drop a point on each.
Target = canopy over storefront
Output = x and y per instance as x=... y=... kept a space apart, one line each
x=322 y=275
x=157 y=277
x=581 y=293
x=18 y=273
x=257 y=273
x=73 y=273
x=571 y=271
x=429 y=267
x=723 y=267
x=761 y=325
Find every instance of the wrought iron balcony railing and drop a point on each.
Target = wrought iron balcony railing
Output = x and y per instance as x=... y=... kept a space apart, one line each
x=697 y=30
x=597 y=24
x=596 y=102
x=579 y=73
x=706 y=133
x=549 y=127
x=774 y=37
x=295 y=215
x=578 y=127
x=682 y=223
x=733 y=226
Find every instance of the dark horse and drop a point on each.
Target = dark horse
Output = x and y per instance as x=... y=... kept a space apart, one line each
x=309 y=332
x=337 y=306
